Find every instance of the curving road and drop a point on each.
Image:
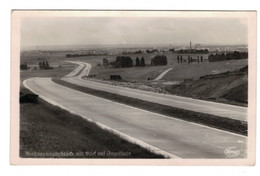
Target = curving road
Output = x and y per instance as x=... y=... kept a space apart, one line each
x=82 y=70
x=172 y=137
x=168 y=136
x=218 y=109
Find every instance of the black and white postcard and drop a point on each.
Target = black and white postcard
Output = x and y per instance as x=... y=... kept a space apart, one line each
x=133 y=87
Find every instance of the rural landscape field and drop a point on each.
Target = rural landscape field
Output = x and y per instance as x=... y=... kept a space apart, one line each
x=155 y=100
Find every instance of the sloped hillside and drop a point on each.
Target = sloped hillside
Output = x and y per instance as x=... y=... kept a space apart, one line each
x=228 y=87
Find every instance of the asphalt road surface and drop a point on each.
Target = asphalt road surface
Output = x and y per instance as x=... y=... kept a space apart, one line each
x=179 y=138
x=82 y=70
x=218 y=109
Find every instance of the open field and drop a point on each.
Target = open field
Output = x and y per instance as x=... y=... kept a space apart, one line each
x=60 y=71
x=178 y=73
x=181 y=72
x=50 y=132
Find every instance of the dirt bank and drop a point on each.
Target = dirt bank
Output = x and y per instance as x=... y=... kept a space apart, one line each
x=228 y=87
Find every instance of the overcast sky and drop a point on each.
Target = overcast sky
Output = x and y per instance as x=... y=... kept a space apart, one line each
x=127 y=30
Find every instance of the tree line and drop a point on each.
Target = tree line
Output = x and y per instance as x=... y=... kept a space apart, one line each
x=124 y=62
x=140 y=63
x=159 y=60
x=24 y=66
x=190 y=59
x=236 y=55
x=44 y=65
x=82 y=55
x=193 y=51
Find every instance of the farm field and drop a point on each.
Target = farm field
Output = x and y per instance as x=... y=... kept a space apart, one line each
x=56 y=72
x=179 y=72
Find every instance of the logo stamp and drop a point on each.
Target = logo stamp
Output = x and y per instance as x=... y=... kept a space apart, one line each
x=232 y=152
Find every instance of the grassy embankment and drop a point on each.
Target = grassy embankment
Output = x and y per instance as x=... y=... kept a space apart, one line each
x=223 y=123
x=190 y=80
x=228 y=87
x=46 y=131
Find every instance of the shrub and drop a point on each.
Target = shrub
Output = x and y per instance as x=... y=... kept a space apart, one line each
x=159 y=60
x=123 y=62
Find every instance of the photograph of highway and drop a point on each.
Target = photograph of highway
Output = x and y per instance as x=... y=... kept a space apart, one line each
x=134 y=85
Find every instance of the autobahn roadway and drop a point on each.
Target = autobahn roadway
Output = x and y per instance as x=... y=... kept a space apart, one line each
x=168 y=136
x=207 y=107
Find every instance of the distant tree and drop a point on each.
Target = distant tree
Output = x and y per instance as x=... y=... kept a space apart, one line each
x=159 y=60
x=228 y=56
x=43 y=65
x=138 y=52
x=40 y=65
x=47 y=66
x=105 y=62
x=142 y=62
x=122 y=61
x=151 y=51
x=172 y=50
x=137 y=62
x=24 y=66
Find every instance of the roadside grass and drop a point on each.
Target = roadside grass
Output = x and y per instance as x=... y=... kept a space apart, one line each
x=232 y=125
x=228 y=87
x=47 y=131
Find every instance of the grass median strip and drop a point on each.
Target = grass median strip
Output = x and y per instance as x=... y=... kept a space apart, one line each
x=47 y=131
x=232 y=125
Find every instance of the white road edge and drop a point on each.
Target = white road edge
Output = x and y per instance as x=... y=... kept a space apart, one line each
x=116 y=132
x=83 y=70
